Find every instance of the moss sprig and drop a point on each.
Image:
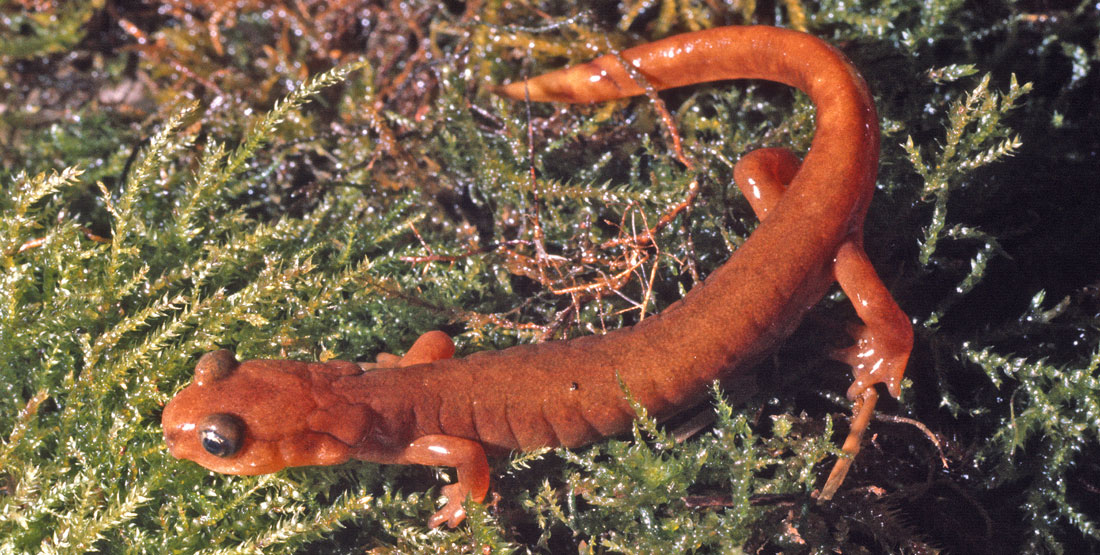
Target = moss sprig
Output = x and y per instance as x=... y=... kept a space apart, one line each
x=975 y=136
x=1032 y=448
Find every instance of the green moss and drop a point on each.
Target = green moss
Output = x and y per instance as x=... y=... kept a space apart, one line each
x=292 y=228
x=28 y=33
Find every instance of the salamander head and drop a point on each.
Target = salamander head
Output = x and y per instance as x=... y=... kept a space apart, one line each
x=248 y=418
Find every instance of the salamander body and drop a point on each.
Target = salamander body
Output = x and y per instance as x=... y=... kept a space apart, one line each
x=259 y=416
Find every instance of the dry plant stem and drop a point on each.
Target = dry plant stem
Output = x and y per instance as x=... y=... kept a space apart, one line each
x=863 y=409
x=158 y=49
x=38 y=242
x=918 y=425
x=646 y=238
x=662 y=111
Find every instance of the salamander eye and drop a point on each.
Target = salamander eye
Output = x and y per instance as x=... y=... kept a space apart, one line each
x=221 y=434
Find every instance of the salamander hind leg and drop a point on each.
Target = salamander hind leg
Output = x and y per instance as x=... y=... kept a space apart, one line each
x=763 y=175
x=882 y=341
x=468 y=459
x=880 y=352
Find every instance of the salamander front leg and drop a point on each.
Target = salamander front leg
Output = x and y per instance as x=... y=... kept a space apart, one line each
x=429 y=347
x=468 y=459
x=881 y=349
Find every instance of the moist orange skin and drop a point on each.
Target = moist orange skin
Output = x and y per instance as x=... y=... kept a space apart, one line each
x=429 y=408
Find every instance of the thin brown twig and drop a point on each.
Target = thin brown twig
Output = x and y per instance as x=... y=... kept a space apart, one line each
x=918 y=425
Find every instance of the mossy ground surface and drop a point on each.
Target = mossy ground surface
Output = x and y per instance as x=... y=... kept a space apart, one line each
x=318 y=180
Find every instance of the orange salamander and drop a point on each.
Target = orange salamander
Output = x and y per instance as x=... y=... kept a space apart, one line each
x=428 y=408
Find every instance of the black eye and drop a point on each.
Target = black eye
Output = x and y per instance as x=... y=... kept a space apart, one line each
x=221 y=434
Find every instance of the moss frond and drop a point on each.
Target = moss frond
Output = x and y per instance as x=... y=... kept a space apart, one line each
x=975 y=136
x=973 y=123
x=23 y=212
x=27 y=33
x=1031 y=446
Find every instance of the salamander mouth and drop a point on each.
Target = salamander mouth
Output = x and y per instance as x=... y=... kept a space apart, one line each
x=170 y=440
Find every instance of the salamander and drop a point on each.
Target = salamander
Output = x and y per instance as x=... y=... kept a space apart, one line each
x=429 y=408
